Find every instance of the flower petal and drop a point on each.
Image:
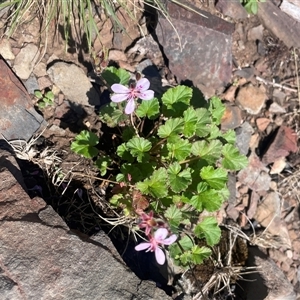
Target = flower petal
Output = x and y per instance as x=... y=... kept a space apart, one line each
x=130 y=107
x=142 y=84
x=160 y=256
x=142 y=246
x=120 y=88
x=146 y=95
x=118 y=97
x=160 y=234
x=170 y=240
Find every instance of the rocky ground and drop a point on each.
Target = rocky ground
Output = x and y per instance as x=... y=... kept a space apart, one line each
x=249 y=62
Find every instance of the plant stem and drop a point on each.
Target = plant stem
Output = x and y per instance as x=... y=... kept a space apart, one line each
x=132 y=123
x=188 y=160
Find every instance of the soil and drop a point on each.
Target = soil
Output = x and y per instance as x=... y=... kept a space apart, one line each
x=70 y=182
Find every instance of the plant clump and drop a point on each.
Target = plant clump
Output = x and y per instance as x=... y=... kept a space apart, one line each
x=169 y=165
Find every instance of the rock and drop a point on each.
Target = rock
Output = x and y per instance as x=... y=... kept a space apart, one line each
x=232 y=117
x=276 y=108
x=42 y=259
x=5 y=50
x=278 y=166
x=255 y=176
x=199 y=50
x=251 y=98
x=247 y=73
x=44 y=82
x=251 y=211
x=116 y=55
x=40 y=70
x=256 y=33
x=291 y=8
x=280 y=24
x=147 y=46
x=229 y=94
x=262 y=123
x=243 y=137
x=75 y=85
x=233 y=9
x=268 y=214
x=285 y=142
x=25 y=60
x=18 y=118
x=31 y=84
x=269 y=283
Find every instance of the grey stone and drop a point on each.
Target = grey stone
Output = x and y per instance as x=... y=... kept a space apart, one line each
x=31 y=84
x=18 y=118
x=25 y=60
x=243 y=136
x=199 y=50
x=73 y=82
x=233 y=9
x=41 y=258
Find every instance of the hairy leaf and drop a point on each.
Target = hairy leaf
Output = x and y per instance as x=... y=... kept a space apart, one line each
x=113 y=75
x=156 y=185
x=203 y=122
x=138 y=147
x=84 y=144
x=208 y=229
x=207 y=151
x=233 y=160
x=190 y=122
x=179 y=180
x=216 y=178
x=149 y=109
x=172 y=127
x=180 y=149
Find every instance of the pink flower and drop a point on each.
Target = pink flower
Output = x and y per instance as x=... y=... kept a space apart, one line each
x=139 y=90
x=147 y=222
x=154 y=243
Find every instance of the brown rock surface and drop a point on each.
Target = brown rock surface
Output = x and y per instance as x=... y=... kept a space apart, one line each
x=251 y=98
x=41 y=258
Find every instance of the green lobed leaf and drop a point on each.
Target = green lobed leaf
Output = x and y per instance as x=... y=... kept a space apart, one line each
x=180 y=149
x=123 y=152
x=203 y=122
x=217 y=109
x=216 y=178
x=49 y=95
x=179 y=180
x=177 y=94
x=229 y=136
x=174 y=216
x=214 y=132
x=209 y=229
x=149 y=109
x=209 y=151
x=172 y=127
x=233 y=160
x=84 y=144
x=190 y=122
x=138 y=147
x=199 y=254
x=210 y=200
x=38 y=94
x=113 y=75
x=102 y=163
x=111 y=115
x=156 y=185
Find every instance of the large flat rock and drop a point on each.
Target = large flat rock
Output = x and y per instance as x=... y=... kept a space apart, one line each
x=18 y=118
x=40 y=258
x=199 y=50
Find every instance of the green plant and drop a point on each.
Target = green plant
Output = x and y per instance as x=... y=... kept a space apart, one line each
x=44 y=99
x=171 y=163
x=251 y=5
